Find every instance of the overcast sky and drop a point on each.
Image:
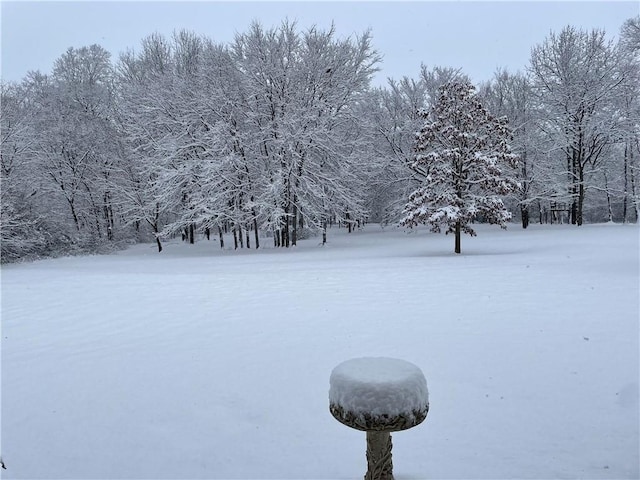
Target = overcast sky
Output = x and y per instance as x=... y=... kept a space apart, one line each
x=477 y=36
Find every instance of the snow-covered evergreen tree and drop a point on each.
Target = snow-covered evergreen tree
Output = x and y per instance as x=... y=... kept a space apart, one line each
x=469 y=166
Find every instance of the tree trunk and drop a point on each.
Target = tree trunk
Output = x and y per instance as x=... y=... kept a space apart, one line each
x=294 y=224
x=108 y=214
x=324 y=231
x=255 y=230
x=74 y=214
x=154 y=226
x=524 y=209
x=606 y=191
x=192 y=233
x=457 y=249
x=540 y=215
x=96 y=211
x=572 y=171
x=220 y=234
x=284 y=233
x=625 y=199
x=633 y=186
x=580 y=197
x=524 y=214
x=235 y=239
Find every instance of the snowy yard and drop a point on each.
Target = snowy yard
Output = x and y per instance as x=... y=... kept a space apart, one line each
x=209 y=364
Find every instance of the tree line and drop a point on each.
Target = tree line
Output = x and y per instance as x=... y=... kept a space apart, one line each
x=279 y=134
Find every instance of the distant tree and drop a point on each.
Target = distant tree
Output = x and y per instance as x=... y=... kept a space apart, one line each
x=147 y=120
x=392 y=113
x=509 y=94
x=577 y=82
x=629 y=108
x=21 y=233
x=468 y=164
x=630 y=35
x=74 y=141
x=300 y=97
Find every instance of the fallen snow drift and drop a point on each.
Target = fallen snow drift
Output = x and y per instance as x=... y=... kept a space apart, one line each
x=201 y=363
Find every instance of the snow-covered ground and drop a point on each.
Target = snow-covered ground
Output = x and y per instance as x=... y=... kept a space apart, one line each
x=201 y=363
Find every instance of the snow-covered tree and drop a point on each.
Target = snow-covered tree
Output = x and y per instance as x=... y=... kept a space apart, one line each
x=392 y=113
x=629 y=108
x=465 y=154
x=279 y=132
x=74 y=142
x=152 y=113
x=509 y=94
x=22 y=232
x=263 y=134
x=300 y=94
x=576 y=80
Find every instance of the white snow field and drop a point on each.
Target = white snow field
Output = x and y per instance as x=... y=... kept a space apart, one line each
x=209 y=364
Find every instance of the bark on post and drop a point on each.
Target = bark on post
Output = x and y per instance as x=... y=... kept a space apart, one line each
x=379 y=460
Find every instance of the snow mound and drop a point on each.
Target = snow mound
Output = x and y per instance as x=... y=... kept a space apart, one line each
x=378 y=386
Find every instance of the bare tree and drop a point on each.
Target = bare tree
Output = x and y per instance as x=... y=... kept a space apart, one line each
x=629 y=49
x=299 y=92
x=576 y=79
x=22 y=232
x=510 y=95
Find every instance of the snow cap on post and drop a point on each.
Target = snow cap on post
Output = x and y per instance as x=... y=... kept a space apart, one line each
x=379 y=387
